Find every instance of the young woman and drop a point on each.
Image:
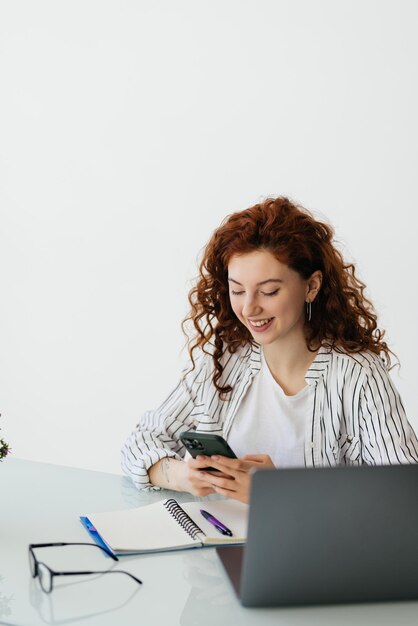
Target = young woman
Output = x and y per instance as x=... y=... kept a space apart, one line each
x=287 y=363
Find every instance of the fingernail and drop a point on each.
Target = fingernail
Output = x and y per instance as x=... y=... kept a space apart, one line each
x=215 y=457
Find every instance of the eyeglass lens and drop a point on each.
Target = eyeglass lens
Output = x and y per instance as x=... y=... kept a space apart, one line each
x=32 y=563
x=45 y=577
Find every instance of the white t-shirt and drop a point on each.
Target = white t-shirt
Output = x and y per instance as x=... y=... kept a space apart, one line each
x=270 y=422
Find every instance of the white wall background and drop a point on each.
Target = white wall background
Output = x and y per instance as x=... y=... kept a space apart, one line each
x=128 y=130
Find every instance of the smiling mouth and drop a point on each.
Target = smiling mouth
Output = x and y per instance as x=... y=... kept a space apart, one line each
x=260 y=325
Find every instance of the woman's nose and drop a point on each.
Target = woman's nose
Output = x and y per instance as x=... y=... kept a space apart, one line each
x=251 y=307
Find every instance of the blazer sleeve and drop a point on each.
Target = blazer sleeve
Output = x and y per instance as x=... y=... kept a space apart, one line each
x=156 y=435
x=387 y=436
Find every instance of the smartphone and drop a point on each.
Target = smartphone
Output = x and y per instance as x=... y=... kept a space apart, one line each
x=207 y=444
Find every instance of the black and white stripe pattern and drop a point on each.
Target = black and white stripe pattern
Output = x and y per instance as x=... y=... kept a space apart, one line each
x=357 y=414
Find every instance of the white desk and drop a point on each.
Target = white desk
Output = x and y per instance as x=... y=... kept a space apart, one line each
x=41 y=503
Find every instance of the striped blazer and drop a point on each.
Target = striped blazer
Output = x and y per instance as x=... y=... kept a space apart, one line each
x=357 y=414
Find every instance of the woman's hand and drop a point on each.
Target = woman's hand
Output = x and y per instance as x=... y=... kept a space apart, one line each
x=170 y=473
x=235 y=480
x=191 y=478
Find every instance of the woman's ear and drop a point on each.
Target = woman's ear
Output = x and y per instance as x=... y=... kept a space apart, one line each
x=314 y=285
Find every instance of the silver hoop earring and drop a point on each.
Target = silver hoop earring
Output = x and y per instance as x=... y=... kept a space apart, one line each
x=309 y=310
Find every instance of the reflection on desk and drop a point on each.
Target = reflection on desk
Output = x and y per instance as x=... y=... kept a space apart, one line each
x=85 y=593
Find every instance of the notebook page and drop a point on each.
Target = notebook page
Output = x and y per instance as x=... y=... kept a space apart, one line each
x=144 y=528
x=233 y=514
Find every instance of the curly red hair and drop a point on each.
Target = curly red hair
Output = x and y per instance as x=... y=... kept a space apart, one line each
x=342 y=317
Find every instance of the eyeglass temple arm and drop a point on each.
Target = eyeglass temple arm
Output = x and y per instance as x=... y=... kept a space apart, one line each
x=95 y=545
x=46 y=545
x=119 y=571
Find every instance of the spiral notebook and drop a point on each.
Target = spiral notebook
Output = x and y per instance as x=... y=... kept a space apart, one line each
x=167 y=525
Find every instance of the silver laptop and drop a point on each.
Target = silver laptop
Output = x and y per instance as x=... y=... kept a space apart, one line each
x=325 y=536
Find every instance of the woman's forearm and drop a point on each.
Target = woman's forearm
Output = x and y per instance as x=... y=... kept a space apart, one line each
x=166 y=474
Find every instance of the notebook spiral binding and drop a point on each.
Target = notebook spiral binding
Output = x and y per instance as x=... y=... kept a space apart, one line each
x=182 y=518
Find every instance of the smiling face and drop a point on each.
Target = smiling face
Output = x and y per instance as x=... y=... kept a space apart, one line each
x=268 y=297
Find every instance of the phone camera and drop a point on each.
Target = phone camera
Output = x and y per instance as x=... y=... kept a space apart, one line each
x=193 y=444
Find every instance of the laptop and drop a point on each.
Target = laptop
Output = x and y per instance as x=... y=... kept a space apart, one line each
x=327 y=536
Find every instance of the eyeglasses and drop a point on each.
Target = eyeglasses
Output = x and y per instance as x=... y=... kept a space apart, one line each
x=46 y=575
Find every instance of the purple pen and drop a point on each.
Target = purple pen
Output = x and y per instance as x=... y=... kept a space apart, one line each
x=215 y=522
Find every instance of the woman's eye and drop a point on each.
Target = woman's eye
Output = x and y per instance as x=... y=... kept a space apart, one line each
x=270 y=293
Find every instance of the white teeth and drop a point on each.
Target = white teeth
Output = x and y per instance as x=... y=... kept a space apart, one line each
x=261 y=322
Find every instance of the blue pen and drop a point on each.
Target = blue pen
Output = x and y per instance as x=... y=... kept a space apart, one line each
x=215 y=522
x=95 y=535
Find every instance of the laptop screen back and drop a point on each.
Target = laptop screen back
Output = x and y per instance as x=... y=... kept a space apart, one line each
x=332 y=535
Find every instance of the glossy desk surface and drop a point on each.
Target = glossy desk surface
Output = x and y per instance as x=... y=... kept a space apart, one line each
x=41 y=503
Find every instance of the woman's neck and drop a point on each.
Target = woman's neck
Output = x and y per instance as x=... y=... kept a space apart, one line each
x=286 y=359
